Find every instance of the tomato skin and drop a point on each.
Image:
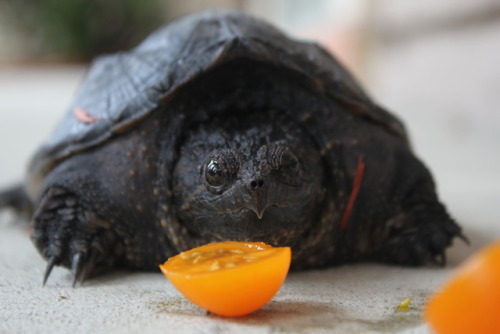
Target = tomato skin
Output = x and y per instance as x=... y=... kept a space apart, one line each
x=470 y=301
x=234 y=291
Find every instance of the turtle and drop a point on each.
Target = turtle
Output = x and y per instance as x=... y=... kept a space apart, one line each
x=219 y=126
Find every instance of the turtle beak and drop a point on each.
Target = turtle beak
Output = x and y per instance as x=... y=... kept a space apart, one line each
x=258 y=202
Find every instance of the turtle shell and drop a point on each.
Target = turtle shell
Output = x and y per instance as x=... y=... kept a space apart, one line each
x=122 y=89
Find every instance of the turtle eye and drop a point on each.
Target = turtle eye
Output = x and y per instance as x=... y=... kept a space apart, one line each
x=214 y=174
x=289 y=165
x=286 y=164
x=219 y=171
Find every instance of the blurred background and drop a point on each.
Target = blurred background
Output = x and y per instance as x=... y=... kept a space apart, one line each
x=436 y=64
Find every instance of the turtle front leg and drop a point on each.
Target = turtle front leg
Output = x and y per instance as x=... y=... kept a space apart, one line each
x=415 y=228
x=419 y=235
x=68 y=233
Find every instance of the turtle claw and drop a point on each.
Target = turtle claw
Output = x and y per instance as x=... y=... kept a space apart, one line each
x=463 y=238
x=50 y=265
x=76 y=268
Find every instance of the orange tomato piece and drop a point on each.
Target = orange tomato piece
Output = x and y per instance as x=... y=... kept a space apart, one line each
x=229 y=278
x=470 y=301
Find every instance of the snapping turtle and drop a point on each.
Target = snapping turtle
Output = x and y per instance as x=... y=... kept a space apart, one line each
x=220 y=127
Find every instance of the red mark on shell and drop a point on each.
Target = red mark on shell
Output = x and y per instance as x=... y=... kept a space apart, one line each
x=84 y=116
x=356 y=185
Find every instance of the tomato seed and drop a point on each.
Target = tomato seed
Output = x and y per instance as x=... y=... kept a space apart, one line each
x=215 y=266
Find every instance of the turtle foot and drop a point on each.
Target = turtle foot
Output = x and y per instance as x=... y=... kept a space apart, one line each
x=68 y=234
x=420 y=236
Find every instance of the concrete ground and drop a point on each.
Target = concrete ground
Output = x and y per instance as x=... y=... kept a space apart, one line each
x=348 y=299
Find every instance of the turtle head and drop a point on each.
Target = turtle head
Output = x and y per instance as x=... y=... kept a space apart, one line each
x=257 y=182
x=272 y=177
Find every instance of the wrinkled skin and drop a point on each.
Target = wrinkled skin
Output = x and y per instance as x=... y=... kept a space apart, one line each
x=253 y=180
x=247 y=150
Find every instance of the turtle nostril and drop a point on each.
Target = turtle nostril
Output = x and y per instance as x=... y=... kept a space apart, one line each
x=257 y=184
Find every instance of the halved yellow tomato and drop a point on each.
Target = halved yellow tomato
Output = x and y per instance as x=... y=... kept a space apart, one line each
x=470 y=301
x=229 y=278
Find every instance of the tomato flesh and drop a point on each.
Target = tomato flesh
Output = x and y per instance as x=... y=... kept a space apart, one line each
x=229 y=278
x=470 y=301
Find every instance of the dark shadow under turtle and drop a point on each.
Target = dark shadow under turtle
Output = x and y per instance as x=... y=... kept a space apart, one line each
x=219 y=127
